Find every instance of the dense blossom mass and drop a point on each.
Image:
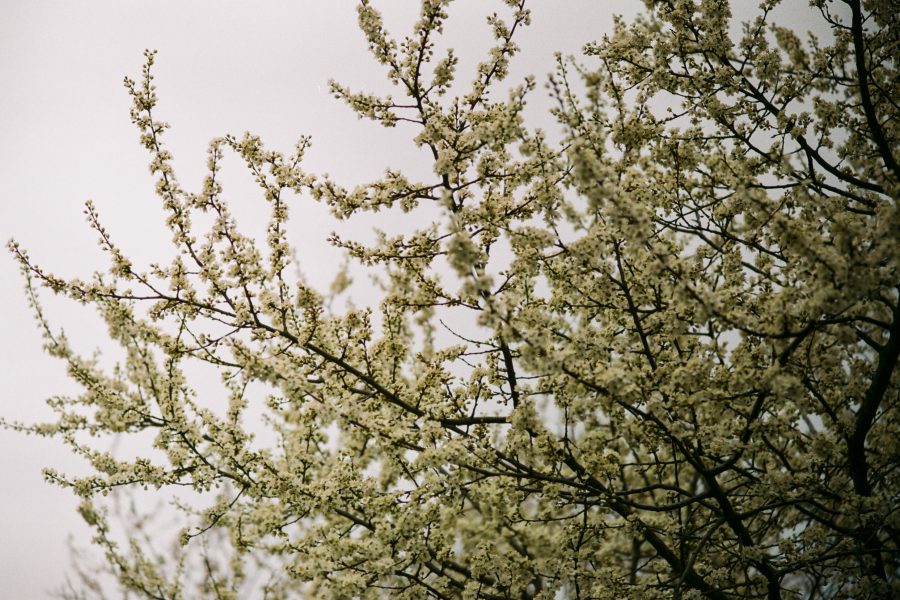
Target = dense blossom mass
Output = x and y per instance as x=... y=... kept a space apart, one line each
x=649 y=354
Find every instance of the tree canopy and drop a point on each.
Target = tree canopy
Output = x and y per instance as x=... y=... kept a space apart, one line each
x=651 y=356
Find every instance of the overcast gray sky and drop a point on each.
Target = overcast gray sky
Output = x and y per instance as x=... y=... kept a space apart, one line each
x=223 y=67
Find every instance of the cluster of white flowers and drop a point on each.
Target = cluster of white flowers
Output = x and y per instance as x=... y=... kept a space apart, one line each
x=676 y=370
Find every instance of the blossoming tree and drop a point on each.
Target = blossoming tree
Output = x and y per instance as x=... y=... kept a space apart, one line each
x=655 y=357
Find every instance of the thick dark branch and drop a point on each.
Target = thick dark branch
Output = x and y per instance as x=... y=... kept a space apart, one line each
x=862 y=75
x=865 y=416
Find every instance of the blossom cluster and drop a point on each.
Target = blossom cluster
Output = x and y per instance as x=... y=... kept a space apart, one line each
x=653 y=359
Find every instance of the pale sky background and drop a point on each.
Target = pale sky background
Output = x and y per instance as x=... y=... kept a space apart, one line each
x=223 y=67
